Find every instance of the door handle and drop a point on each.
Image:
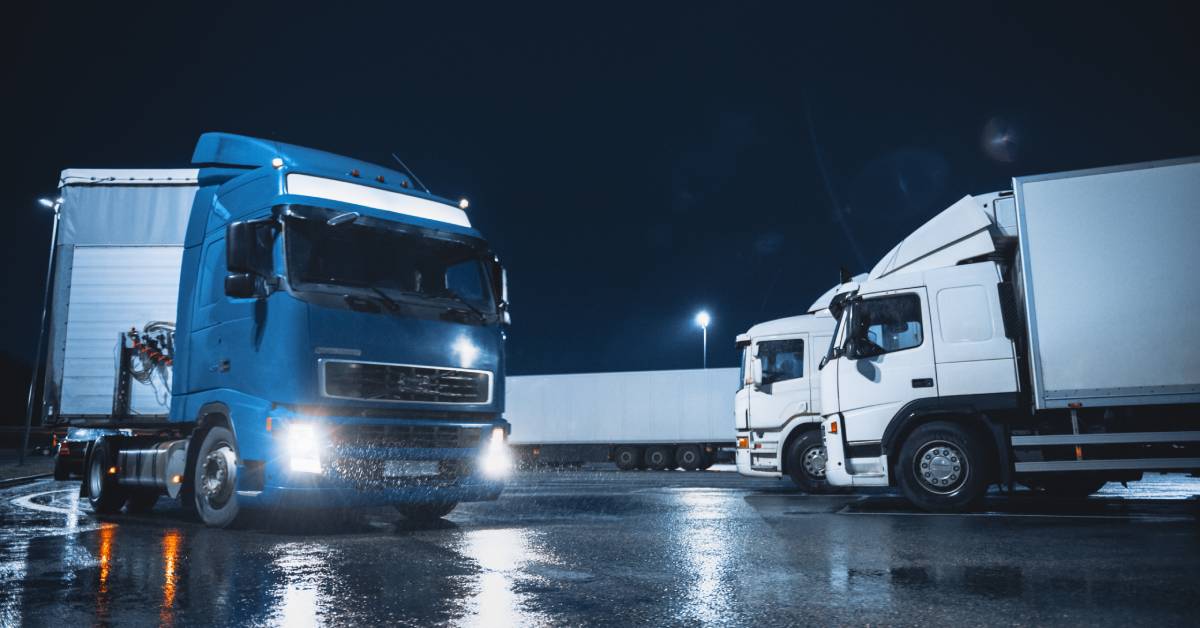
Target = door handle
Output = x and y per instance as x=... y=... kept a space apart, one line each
x=924 y=382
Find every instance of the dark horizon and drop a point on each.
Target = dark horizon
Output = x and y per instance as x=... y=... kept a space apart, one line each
x=631 y=166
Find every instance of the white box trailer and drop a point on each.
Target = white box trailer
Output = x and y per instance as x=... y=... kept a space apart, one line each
x=655 y=419
x=1106 y=258
x=117 y=259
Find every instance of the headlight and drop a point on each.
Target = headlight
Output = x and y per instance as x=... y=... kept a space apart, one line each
x=304 y=448
x=496 y=461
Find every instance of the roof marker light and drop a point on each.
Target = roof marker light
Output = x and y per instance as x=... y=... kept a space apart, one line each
x=463 y=203
x=354 y=172
x=277 y=162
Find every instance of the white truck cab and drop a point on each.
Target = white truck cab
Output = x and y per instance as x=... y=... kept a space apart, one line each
x=777 y=409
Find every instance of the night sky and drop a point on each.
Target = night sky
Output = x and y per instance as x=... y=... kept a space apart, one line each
x=632 y=163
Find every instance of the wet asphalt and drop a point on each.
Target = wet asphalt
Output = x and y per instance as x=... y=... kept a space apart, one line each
x=600 y=547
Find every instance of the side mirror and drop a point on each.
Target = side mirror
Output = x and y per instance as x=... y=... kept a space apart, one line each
x=245 y=286
x=500 y=287
x=248 y=246
x=756 y=373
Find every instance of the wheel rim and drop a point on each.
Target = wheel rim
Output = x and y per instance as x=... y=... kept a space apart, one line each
x=218 y=477
x=96 y=478
x=941 y=467
x=687 y=456
x=814 y=460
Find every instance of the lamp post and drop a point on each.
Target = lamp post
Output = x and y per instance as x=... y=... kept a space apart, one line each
x=52 y=205
x=703 y=319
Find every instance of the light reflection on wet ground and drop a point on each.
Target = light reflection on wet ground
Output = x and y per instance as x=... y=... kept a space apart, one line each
x=612 y=548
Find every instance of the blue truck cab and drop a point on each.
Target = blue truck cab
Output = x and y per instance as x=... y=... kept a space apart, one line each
x=339 y=342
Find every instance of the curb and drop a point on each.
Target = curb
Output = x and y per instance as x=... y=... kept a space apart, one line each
x=24 y=480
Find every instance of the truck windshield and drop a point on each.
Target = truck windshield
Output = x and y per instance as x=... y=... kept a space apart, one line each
x=400 y=264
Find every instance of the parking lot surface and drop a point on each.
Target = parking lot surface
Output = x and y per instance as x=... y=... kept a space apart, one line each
x=600 y=547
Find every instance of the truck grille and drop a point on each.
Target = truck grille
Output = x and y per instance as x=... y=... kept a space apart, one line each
x=402 y=382
x=406 y=436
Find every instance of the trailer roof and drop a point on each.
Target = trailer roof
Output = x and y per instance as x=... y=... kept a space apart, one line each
x=125 y=207
x=127 y=176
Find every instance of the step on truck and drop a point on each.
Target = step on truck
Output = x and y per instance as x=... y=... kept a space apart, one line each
x=276 y=326
x=777 y=408
x=1044 y=336
x=654 y=420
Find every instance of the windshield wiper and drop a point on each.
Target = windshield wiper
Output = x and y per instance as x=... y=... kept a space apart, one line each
x=454 y=296
x=391 y=303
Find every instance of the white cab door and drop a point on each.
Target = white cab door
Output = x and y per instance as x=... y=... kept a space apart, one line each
x=873 y=388
x=786 y=375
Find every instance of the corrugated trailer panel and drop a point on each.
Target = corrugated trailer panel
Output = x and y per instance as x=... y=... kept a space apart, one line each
x=1108 y=259
x=633 y=407
x=112 y=289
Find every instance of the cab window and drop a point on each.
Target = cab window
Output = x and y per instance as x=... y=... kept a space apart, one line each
x=887 y=324
x=781 y=360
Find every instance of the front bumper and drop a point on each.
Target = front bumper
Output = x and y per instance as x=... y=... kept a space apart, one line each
x=761 y=459
x=355 y=456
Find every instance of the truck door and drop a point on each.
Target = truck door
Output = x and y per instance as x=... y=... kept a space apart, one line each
x=785 y=390
x=888 y=362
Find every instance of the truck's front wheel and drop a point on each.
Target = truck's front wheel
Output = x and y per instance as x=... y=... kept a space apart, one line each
x=214 y=479
x=805 y=463
x=943 y=467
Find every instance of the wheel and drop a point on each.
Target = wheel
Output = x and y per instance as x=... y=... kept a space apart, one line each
x=710 y=458
x=660 y=458
x=689 y=457
x=943 y=467
x=426 y=512
x=1068 y=486
x=142 y=500
x=805 y=463
x=628 y=458
x=214 y=479
x=61 y=471
x=104 y=493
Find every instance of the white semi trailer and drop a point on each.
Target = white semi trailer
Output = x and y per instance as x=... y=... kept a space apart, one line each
x=1045 y=336
x=641 y=419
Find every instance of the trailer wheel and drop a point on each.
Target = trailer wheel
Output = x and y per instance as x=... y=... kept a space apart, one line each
x=105 y=494
x=689 y=457
x=142 y=500
x=710 y=458
x=214 y=478
x=805 y=463
x=660 y=458
x=1065 y=486
x=943 y=467
x=426 y=512
x=628 y=458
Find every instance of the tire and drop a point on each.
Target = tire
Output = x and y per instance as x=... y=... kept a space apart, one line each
x=660 y=458
x=142 y=500
x=628 y=458
x=944 y=467
x=689 y=457
x=804 y=461
x=104 y=493
x=710 y=458
x=1065 y=486
x=426 y=512
x=61 y=470
x=214 y=479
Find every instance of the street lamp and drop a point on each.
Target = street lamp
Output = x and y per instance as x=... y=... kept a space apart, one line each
x=703 y=319
x=54 y=206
